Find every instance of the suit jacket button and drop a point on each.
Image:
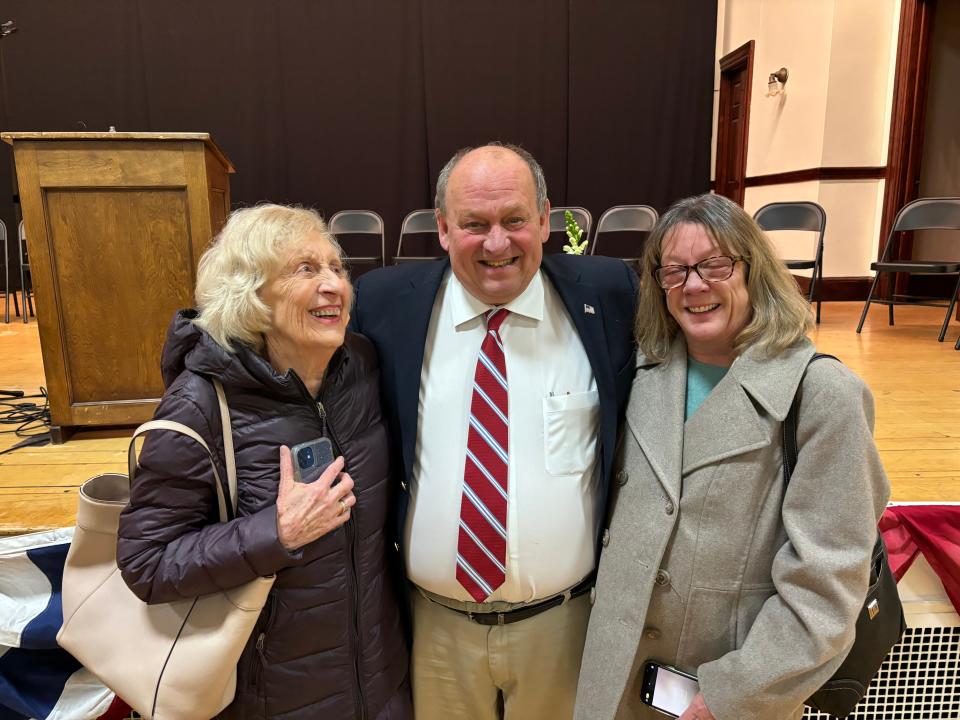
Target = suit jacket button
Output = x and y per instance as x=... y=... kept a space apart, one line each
x=606 y=538
x=622 y=477
x=403 y=486
x=669 y=508
x=663 y=577
x=396 y=546
x=593 y=595
x=651 y=633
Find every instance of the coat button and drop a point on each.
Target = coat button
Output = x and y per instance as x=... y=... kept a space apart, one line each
x=403 y=486
x=606 y=538
x=651 y=633
x=622 y=477
x=593 y=595
x=396 y=546
x=663 y=577
x=669 y=507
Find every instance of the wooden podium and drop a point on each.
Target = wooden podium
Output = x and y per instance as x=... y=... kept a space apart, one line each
x=115 y=225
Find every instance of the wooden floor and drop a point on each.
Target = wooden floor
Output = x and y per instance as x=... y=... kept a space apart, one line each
x=915 y=380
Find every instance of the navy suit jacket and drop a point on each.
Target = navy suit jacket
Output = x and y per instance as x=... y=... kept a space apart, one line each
x=393 y=305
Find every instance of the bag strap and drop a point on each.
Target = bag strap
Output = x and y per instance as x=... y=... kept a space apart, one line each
x=182 y=429
x=790 y=425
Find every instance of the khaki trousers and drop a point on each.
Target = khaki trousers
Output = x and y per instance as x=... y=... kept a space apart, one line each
x=459 y=668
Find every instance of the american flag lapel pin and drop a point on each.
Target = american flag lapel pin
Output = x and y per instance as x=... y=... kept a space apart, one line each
x=588 y=310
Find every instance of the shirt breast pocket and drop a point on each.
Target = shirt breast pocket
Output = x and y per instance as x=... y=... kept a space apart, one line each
x=570 y=429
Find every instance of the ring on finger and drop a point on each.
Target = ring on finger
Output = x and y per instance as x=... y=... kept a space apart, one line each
x=343 y=507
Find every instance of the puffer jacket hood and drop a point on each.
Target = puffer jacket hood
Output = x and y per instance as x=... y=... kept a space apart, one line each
x=188 y=347
x=329 y=642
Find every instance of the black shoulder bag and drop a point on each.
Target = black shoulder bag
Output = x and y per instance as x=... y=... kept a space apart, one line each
x=880 y=624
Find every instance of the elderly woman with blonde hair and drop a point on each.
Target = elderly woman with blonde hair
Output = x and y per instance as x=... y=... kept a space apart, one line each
x=273 y=302
x=713 y=564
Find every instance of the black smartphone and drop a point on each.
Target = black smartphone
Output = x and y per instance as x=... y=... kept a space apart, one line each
x=667 y=689
x=311 y=458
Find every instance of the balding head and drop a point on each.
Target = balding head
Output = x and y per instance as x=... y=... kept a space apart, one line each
x=492 y=150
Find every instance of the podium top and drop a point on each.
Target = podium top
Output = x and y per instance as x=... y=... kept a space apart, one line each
x=10 y=137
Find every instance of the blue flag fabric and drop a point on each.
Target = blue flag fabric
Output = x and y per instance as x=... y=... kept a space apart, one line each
x=38 y=679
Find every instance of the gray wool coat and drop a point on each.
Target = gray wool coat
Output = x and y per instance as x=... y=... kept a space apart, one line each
x=711 y=564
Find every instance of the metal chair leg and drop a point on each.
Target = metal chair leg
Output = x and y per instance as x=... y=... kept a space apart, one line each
x=813 y=287
x=23 y=293
x=866 y=305
x=946 y=320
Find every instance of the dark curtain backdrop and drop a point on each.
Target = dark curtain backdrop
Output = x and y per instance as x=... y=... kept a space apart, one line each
x=358 y=105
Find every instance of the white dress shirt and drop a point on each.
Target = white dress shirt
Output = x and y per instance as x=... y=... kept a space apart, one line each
x=554 y=410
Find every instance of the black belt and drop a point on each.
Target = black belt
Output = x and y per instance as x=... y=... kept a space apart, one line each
x=527 y=611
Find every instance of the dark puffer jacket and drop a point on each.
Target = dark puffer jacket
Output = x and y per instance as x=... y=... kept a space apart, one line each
x=329 y=642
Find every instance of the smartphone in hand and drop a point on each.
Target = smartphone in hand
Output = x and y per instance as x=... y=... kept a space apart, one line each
x=667 y=689
x=311 y=458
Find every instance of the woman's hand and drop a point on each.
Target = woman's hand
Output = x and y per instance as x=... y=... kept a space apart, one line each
x=697 y=710
x=307 y=511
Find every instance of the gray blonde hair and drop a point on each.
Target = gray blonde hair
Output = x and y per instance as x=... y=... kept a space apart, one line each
x=539 y=181
x=780 y=316
x=248 y=252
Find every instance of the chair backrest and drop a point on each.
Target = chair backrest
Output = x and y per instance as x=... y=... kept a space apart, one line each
x=359 y=222
x=624 y=218
x=792 y=216
x=558 y=227
x=418 y=222
x=558 y=222
x=929 y=214
x=798 y=215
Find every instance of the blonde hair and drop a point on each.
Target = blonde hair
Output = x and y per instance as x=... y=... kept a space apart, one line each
x=780 y=316
x=248 y=251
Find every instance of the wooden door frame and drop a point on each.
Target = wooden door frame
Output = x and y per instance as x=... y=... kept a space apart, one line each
x=907 y=120
x=733 y=62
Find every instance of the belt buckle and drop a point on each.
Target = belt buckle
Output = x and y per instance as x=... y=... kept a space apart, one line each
x=499 y=618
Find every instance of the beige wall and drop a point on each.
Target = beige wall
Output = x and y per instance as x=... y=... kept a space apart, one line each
x=940 y=174
x=835 y=111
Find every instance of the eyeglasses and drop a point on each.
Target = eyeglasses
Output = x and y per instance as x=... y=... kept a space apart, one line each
x=711 y=270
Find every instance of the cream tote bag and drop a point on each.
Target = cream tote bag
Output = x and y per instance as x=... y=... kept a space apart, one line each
x=170 y=661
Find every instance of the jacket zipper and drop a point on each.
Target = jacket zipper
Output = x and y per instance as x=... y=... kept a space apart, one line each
x=350 y=536
x=261 y=660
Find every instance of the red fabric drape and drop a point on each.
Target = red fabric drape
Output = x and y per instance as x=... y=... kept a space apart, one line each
x=933 y=530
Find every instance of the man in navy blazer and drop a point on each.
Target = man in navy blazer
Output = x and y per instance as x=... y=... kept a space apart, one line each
x=504 y=376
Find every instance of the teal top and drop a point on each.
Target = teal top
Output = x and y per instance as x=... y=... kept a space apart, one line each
x=701 y=379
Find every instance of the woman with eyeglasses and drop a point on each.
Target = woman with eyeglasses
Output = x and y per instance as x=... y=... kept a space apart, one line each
x=712 y=563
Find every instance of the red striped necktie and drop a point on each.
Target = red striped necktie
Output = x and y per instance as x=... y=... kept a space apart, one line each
x=482 y=542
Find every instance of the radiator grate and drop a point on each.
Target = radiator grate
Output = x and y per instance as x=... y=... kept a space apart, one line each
x=917 y=681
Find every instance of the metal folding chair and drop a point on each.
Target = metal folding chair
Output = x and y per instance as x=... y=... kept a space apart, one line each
x=6 y=273
x=625 y=218
x=801 y=215
x=418 y=222
x=923 y=214
x=26 y=282
x=358 y=222
x=558 y=226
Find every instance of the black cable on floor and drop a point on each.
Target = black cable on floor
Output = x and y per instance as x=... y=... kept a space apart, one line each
x=32 y=419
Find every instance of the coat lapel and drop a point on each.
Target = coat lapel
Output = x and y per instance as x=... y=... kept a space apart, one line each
x=583 y=307
x=731 y=420
x=414 y=307
x=655 y=415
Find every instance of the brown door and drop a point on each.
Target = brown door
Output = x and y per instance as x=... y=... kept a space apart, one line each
x=736 y=77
